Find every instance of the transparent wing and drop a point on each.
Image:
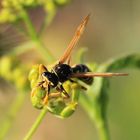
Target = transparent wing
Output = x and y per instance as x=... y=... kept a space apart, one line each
x=74 y=40
x=90 y=74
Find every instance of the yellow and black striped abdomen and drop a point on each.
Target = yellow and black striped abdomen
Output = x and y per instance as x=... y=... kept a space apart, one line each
x=81 y=68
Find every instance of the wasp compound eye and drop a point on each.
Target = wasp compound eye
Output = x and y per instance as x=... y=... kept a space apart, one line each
x=51 y=77
x=46 y=74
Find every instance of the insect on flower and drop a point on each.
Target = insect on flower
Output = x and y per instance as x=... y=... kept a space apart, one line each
x=63 y=71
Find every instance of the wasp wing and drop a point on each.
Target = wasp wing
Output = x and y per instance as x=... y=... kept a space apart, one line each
x=74 y=40
x=90 y=74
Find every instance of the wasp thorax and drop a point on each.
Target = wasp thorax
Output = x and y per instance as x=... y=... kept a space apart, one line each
x=63 y=72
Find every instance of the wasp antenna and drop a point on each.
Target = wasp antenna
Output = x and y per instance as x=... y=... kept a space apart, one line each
x=74 y=40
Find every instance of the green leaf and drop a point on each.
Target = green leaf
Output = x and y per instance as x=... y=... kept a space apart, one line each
x=101 y=85
x=96 y=100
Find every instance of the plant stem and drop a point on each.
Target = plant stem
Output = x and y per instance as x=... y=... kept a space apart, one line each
x=47 y=56
x=94 y=112
x=102 y=129
x=33 y=34
x=101 y=124
x=11 y=115
x=22 y=48
x=36 y=124
x=49 y=18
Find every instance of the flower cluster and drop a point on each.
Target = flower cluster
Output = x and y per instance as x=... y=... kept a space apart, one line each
x=12 y=70
x=12 y=9
x=56 y=103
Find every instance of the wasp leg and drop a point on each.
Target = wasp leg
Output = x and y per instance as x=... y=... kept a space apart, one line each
x=40 y=83
x=45 y=100
x=32 y=92
x=82 y=87
x=55 y=95
x=62 y=90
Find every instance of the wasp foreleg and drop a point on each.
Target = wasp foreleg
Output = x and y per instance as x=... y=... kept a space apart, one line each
x=62 y=90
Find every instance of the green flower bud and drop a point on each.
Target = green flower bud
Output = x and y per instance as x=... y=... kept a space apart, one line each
x=69 y=110
x=19 y=78
x=6 y=15
x=73 y=89
x=75 y=95
x=40 y=93
x=17 y=73
x=67 y=86
x=37 y=99
x=5 y=67
x=33 y=83
x=61 y=2
x=5 y=3
x=55 y=106
x=29 y=2
x=37 y=103
x=12 y=71
x=49 y=6
x=34 y=73
x=16 y=4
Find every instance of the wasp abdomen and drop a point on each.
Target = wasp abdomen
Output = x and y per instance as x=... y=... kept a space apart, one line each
x=81 y=68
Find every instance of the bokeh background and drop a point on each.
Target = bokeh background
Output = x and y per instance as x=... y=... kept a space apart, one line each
x=113 y=30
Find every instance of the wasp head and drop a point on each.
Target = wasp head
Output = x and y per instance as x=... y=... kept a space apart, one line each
x=51 y=78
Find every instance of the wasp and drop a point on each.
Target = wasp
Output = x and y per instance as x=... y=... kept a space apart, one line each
x=63 y=71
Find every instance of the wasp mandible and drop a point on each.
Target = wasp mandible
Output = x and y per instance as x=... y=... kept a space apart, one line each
x=63 y=71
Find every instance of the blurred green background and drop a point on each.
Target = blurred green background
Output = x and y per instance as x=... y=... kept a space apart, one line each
x=113 y=30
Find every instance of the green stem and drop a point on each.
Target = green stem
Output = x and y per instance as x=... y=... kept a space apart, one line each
x=36 y=124
x=101 y=124
x=33 y=34
x=102 y=129
x=9 y=119
x=49 y=18
x=22 y=48
x=103 y=132
x=94 y=112
x=46 y=54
